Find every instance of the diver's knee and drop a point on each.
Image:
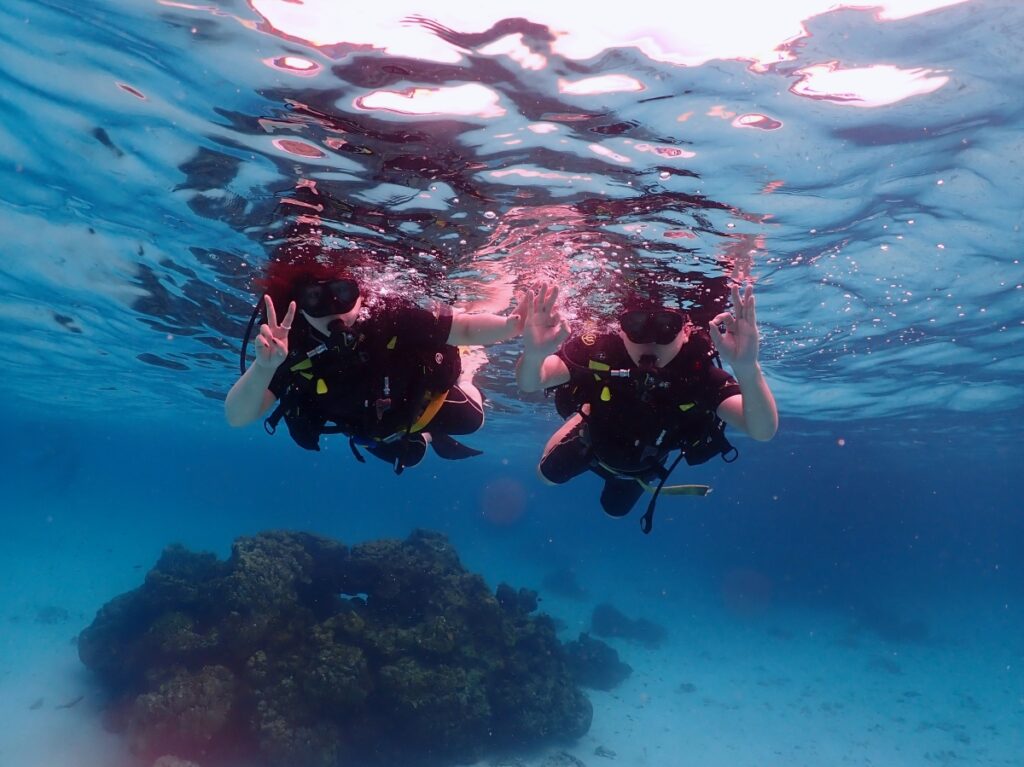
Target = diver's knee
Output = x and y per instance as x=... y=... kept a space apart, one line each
x=478 y=421
x=472 y=393
x=546 y=479
x=543 y=479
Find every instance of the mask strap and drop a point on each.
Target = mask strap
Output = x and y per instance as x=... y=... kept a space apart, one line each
x=248 y=334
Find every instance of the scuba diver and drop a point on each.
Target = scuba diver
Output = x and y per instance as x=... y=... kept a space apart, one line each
x=379 y=369
x=634 y=396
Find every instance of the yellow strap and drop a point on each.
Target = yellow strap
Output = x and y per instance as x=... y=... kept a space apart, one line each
x=424 y=420
x=698 y=490
x=429 y=412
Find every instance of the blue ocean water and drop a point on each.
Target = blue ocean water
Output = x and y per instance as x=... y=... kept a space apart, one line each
x=850 y=593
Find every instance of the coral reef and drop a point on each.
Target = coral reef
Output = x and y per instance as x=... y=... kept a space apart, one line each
x=594 y=664
x=608 y=621
x=300 y=650
x=563 y=583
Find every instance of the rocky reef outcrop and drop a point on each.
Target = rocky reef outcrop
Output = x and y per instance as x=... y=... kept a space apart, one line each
x=609 y=622
x=594 y=664
x=300 y=650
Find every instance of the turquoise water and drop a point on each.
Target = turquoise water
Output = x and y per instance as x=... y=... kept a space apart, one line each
x=850 y=593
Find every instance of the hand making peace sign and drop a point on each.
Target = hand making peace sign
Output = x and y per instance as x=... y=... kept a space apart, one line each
x=272 y=341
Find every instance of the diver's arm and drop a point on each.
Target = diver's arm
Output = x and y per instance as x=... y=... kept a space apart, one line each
x=753 y=411
x=480 y=329
x=249 y=398
x=738 y=342
x=535 y=371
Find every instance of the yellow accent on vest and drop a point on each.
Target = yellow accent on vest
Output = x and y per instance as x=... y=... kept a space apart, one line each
x=306 y=364
x=321 y=386
x=595 y=365
x=393 y=342
x=429 y=412
x=425 y=418
x=307 y=376
x=687 y=406
x=606 y=394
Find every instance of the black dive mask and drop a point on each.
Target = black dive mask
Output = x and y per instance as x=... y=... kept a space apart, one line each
x=652 y=327
x=320 y=299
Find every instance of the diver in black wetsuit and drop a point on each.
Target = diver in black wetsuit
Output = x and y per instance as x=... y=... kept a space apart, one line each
x=382 y=371
x=634 y=396
x=386 y=375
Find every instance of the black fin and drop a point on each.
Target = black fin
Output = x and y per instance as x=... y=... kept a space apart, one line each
x=451 y=449
x=620 y=495
x=401 y=454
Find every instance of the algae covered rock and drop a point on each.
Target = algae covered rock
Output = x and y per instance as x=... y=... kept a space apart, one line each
x=595 y=664
x=185 y=712
x=300 y=650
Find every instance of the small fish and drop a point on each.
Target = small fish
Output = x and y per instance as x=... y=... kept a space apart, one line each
x=37 y=705
x=71 y=703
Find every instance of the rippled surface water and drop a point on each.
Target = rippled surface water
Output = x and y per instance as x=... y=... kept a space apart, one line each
x=862 y=167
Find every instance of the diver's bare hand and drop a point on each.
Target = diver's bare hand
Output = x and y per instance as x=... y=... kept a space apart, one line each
x=545 y=329
x=735 y=335
x=272 y=341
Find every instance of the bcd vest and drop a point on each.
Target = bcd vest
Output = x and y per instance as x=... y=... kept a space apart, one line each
x=636 y=418
x=365 y=383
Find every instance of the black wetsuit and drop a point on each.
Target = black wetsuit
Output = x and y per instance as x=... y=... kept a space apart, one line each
x=633 y=418
x=382 y=382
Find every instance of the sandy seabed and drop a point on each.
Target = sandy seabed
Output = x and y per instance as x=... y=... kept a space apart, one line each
x=772 y=686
